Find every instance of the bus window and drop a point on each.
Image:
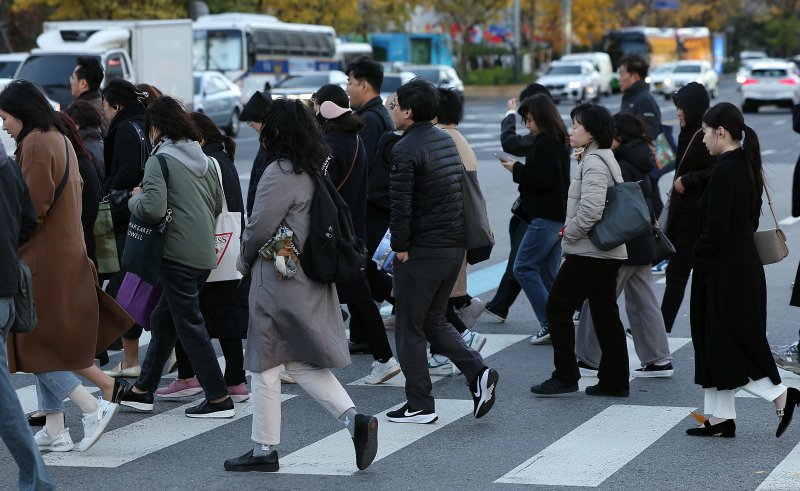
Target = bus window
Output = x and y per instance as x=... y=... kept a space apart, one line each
x=277 y=43
x=217 y=50
x=295 y=44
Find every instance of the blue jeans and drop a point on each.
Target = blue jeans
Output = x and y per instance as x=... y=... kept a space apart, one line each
x=537 y=263
x=14 y=430
x=52 y=388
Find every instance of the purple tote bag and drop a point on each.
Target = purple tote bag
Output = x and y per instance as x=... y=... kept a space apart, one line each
x=138 y=298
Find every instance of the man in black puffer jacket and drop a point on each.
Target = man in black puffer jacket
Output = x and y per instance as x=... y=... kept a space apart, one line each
x=427 y=227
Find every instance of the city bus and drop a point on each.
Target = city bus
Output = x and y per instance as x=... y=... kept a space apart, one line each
x=657 y=45
x=252 y=50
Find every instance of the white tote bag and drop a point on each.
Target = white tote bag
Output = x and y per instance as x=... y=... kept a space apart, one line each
x=226 y=238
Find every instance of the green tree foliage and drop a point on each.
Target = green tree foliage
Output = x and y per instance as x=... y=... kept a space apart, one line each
x=105 y=9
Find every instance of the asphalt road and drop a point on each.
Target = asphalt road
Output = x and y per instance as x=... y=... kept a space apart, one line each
x=525 y=442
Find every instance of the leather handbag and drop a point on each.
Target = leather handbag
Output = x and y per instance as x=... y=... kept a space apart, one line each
x=144 y=244
x=478 y=234
x=227 y=233
x=664 y=248
x=771 y=243
x=625 y=216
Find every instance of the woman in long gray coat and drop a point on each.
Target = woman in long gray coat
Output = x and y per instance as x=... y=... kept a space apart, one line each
x=294 y=320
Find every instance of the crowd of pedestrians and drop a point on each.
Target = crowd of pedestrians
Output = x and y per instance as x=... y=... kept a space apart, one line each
x=399 y=164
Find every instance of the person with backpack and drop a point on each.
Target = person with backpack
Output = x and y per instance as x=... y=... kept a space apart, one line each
x=294 y=320
x=17 y=226
x=428 y=237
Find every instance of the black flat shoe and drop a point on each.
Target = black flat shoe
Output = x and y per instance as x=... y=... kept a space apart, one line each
x=120 y=385
x=34 y=420
x=365 y=440
x=597 y=390
x=792 y=400
x=248 y=462
x=359 y=348
x=726 y=429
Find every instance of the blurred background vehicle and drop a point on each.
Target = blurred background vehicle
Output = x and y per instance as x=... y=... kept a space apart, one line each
x=660 y=80
x=695 y=71
x=219 y=99
x=393 y=80
x=574 y=81
x=602 y=63
x=301 y=85
x=440 y=76
x=9 y=63
x=770 y=82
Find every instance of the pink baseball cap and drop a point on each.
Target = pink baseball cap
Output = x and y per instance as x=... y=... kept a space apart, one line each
x=330 y=110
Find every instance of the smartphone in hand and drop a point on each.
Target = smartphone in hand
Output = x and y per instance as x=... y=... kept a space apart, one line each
x=500 y=158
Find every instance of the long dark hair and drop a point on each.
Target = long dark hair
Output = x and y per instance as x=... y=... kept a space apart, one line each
x=84 y=114
x=75 y=138
x=541 y=109
x=170 y=118
x=120 y=93
x=348 y=122
x=728 y=116
x=25 y=101
x=211 y=133
x=291 y=132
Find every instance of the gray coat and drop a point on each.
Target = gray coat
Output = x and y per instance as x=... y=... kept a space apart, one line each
x=586 y=200
x=295 y=319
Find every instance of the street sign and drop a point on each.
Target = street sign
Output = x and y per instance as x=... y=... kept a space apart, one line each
x=666 y=5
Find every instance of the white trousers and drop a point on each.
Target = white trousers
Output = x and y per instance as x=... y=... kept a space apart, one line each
x=318 y=382
x=721 y=403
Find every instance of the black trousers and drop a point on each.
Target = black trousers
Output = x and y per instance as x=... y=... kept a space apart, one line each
x=234 y=361
x=366 y=319
x=586 y=278
x=678 y=271
x=422 y=287
x=509 y=288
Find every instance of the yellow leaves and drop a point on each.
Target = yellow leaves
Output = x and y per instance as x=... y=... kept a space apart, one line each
x=590 y=20
x=106 y=9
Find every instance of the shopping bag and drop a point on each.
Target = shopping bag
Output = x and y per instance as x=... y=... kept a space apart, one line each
x=138 y=298
x=384 y=255
x=227 y=232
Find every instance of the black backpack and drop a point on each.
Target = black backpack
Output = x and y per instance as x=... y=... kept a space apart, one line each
x=332 y=251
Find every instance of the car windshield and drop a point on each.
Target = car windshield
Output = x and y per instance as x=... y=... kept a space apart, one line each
x=564 y=70
x=663 y=69
x=430 y=74
x=49 y=71
x=310 y=81
x=391 y=83
x=7 y=68
x=768 y=72
x=687 y=69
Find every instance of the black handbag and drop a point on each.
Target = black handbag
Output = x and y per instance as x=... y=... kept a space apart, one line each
x=144 y=244
x=664 y=248
x=478 y=234
x=516 y=210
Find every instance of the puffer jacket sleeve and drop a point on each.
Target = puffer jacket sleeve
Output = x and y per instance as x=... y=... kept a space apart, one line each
x=401 y=195
x=594 y=186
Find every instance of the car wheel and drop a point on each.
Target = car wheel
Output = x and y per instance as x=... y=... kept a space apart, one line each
x=233 y=126
x=749 y=107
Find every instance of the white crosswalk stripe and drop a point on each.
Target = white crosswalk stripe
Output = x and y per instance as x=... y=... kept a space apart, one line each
x=329 y=455
x=785 y=477
x=569 y=462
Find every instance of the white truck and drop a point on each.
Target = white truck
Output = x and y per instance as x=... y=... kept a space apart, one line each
x=157 y=52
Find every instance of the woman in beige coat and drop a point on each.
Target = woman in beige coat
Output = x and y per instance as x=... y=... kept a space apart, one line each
x=66 y=335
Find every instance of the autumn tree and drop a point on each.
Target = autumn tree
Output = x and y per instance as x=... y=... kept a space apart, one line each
x=106 y=9
x=590 y=20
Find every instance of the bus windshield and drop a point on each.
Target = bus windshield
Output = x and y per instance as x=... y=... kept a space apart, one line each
x=217 y=49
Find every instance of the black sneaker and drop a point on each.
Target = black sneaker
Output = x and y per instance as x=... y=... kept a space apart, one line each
x=36 y=418
x=142 y=402
x=495 y=314
x=553 y=386
x=208 y=409
x=365 y=440
x=542 y=337
x=249 y=462
x=597 y=390
x=482 y=388
x=120 y=385
x=406 y=415
x=654 y=371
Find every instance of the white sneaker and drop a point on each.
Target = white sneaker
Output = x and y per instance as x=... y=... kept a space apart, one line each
x=285 y=377
x=469 y=313
x=60 y=443
x=440 y=365
x=94 y=424
x=381 y=372
x=474 y=340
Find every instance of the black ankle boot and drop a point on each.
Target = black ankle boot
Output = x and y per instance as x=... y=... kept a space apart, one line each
x=726 y=429
x=792 y=400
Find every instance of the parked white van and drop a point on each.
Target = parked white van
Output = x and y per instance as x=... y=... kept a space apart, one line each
x=601 y=62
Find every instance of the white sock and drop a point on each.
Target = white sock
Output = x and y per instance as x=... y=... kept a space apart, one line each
x=465 y=334
x=262 y=450
x=83 y=399
x=54 y=423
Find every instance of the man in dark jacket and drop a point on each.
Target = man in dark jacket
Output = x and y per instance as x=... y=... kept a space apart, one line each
x=517 y=145
x=17 y=225
x=427 y=227
x=253 y=114
x=693 y=168
x=84 y=84
x=637 y=99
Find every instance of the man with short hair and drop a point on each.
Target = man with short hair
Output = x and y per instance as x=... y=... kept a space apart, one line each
x=17 y=225
x=637 y=99
x=428 y=236
x=84 y=84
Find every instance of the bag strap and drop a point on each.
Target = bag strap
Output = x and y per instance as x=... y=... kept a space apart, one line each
x=678 y=165
x=63 y=182
x=769 y=199
x=611 y=174
x=142 y=143
x=352 y=165
x=221 y=187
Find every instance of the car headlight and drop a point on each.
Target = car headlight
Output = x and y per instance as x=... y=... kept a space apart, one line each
x=667 y=81
x=740 y=79
x=574 y=85
x=648 y=80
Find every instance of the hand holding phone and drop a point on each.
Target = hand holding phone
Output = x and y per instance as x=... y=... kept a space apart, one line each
x=500 y=158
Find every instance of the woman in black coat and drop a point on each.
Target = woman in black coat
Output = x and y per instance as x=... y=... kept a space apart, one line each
x=223 y=303
x=348 y=171
x=729 y=293
x=694 y=165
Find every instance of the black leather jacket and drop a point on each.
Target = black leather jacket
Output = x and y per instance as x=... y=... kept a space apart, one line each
x=425 y=189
